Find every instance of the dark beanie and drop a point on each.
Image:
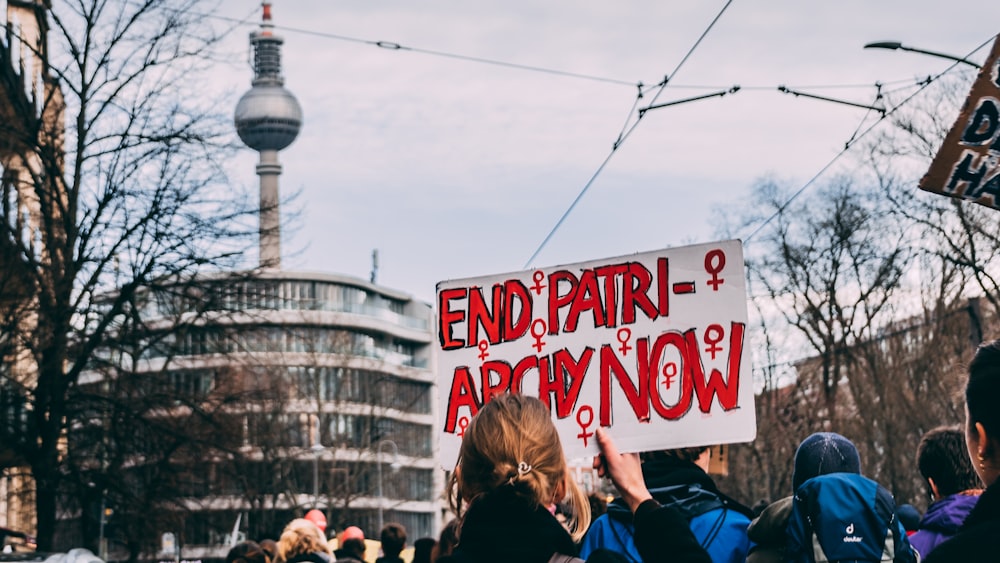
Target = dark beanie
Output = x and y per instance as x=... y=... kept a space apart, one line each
x=822 y=453
x=909 y=517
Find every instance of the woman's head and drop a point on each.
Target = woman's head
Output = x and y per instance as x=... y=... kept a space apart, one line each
x=982 y=403
x=513 y=443
x=301 y=536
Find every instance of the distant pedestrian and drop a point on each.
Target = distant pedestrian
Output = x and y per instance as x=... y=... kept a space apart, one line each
x=447 y=542
x=270 y=548
x=317 y=517
x=247 y=552
x=976 y=540
x=351 y=545
x=393 y=537
x=598 y=505
x=302 y=542
x=422 y=549
x=909 y=517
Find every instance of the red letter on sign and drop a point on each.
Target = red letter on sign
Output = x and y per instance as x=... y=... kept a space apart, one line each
x=513 y=329
x=636 y=295
x=683 y=405
x=557 y=301
x=448 y=317
x=502 y=371
x=463 y=394
x=637 y=395
x=489 y=317
x=588 y=296
x=727 y=390
x=610 y=275
x=564 y=364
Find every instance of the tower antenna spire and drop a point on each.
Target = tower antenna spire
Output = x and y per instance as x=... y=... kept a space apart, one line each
x=268 y=119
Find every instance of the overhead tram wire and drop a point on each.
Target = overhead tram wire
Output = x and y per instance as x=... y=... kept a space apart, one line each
x=626 y=132
x=850 y=144
x=393 y=46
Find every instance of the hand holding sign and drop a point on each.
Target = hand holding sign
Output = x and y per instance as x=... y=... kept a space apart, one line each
x=625 y=471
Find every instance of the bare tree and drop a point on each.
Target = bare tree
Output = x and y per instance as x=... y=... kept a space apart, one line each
x=111 y=190
x=830 y=265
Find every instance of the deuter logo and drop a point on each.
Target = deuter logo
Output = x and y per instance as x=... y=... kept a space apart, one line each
x=850 y=537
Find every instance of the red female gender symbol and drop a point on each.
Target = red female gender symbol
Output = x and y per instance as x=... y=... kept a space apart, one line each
x=624 y=335
x=589 y=411
x=538 y=333
x=669 y=373
x=538 y=276
x=463 y=423
x=483 y=346
x=713 y=335
x=715 y=261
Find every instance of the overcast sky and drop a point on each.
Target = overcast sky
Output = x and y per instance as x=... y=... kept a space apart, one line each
x=453 y=168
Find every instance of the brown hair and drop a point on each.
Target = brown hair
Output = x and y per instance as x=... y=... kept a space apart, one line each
x=943 y=457
x=247 y=552
x=513 y=442
x=393 y=537
x=301 y=536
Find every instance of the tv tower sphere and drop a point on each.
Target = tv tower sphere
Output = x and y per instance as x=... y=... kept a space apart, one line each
x=268 y=117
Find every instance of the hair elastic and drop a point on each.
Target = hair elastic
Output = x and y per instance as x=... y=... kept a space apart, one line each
x=522 y=469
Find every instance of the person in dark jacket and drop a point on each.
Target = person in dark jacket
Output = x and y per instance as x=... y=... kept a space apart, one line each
x=351 y=545
x=393 y=538
x=511 y=467
x=819 y=454
x=952 y=485
x=679 y=478
x=976 y=540
x=422 y=550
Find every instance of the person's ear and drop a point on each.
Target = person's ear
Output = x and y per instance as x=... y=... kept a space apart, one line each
x=984 y=446
x=935 y=495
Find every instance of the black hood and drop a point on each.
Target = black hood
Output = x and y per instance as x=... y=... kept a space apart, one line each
x=502 y=526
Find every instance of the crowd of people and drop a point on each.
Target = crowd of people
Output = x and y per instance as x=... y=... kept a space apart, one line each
x=516 y=502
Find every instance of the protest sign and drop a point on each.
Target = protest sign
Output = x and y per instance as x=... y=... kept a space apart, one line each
x=650 y=346
x=967 y=166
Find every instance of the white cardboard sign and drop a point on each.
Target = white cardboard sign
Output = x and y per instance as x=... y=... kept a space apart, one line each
x=650 y=346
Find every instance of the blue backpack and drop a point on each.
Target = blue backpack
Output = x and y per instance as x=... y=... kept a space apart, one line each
x=845 y=517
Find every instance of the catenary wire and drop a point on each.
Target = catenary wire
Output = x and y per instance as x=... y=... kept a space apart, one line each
x=391 y=45
x=850 y=144
x=627 y=131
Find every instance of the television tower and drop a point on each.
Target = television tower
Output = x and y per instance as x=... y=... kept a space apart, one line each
x=268 y=119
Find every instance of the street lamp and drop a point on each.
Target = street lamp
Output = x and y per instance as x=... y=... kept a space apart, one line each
x=395 y=467
x=317 y=449
x=896 y=45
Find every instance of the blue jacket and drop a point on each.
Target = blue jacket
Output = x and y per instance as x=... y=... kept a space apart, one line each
x=717 y=522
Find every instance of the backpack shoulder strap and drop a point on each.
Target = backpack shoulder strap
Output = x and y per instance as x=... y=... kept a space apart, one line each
x=691 y=500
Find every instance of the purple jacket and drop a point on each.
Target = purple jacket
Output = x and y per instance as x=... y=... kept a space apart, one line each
x=942 y=520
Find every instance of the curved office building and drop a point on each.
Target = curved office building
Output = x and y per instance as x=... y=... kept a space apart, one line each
x=339 y=412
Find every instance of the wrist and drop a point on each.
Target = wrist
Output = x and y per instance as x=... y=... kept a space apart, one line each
x=645 y=507
x=635 y=499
